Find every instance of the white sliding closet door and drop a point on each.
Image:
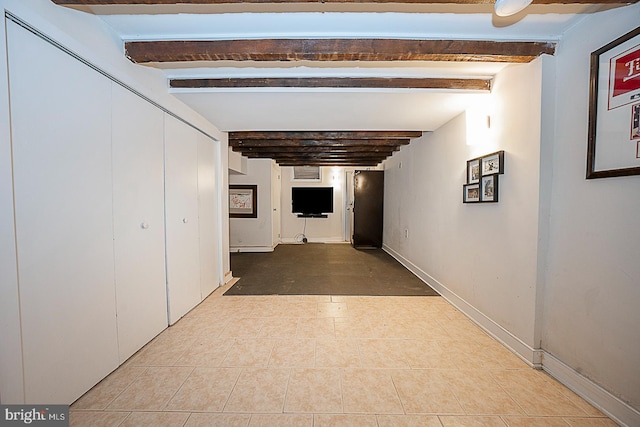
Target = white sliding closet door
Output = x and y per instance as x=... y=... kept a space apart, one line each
x=60 y=117
x=181 y=207
x=138 y=218
x=208 y=215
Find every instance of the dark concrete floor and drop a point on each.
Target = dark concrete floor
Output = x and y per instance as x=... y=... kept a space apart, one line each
x=323 y=269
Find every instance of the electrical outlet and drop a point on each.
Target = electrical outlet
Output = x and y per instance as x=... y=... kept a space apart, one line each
x=406 y=233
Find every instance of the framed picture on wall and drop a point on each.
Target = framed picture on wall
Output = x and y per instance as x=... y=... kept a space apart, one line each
x=471 y=193
x=489 y=189
x=243 y=201
x=614 y=109
x=492 y=163
x=473 y=171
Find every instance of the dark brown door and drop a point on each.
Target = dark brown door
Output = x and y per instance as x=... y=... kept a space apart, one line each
x=368 y=209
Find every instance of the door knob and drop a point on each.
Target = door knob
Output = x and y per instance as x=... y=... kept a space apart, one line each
x=185 y=220
x=144 y=225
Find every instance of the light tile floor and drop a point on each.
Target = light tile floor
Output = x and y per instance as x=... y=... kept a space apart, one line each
x=328 y=361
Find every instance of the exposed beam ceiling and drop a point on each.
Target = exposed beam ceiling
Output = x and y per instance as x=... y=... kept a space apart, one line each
x=329 y=65
x=316 y=148
x=331 y=148
x=143 y=52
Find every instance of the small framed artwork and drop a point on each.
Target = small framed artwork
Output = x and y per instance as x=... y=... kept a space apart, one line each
x=473 y=171
x=614 y=109
x=492 y=163
x=489 y=189
x=471 y=193
x=243 y=201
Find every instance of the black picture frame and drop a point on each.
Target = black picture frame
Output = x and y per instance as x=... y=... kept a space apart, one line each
x=471 y=193
x=492 y=164
x=607 y=83
x=243 y=201
x=473 y=171
x=489 y=188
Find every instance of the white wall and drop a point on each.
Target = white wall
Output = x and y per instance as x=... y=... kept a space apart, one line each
x=592 y=298
x=329 y=229
x=552 y=269
x=223 y=200
x=484 y=256
x=248 y=234
x=254 y=234
x=237 y=162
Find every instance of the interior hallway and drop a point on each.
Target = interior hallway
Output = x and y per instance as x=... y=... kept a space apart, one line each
x=328 y=361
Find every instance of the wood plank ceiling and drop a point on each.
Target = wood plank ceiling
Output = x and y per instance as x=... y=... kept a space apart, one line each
x=328 y=148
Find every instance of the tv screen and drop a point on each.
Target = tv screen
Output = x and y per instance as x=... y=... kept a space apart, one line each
x=312 y=200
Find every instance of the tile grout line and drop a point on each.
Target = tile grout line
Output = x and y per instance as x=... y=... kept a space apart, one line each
x=241 y=370
x=395 y=387
x=193 y=368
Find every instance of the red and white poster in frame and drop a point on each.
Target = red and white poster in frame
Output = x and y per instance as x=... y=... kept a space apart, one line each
x=624 y=78
x=613 y=145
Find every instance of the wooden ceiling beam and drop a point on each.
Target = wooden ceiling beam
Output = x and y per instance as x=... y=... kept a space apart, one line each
x=215 y=2
x=310 y=162
x=320 y=158
x=142 y=52
x=241 y=144
x=326 y=162
x=298 y=150
x=331 y=163
x=336 y=82
x=327 y=155
x=318 y=135
x=316 y=155
x=297 y=153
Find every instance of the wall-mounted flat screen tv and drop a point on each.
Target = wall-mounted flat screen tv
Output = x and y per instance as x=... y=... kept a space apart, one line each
x=312 y=200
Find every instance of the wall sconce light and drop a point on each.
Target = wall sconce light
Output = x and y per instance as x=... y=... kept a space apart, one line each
x=478 y=126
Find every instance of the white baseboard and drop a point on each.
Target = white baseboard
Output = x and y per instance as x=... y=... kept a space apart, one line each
x=250 y=249
x=290 y=240
x=228 y=276
x=527 y=353
x=606 y=402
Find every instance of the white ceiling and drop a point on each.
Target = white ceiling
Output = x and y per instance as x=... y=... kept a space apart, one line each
x=335 y=109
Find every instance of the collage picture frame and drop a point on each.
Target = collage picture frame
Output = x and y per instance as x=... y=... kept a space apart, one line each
x=483 y=173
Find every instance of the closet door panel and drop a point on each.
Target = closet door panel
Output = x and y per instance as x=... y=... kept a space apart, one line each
x=138 y=218
x=181 y=207
x=64 y=228
x=208 y=216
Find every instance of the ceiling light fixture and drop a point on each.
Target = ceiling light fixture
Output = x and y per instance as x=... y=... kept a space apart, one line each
x=510 y=7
